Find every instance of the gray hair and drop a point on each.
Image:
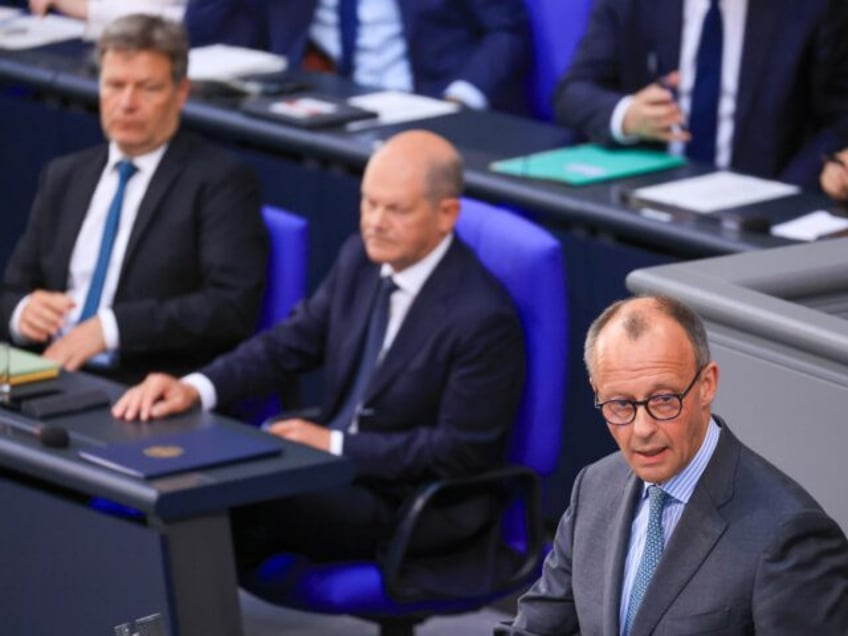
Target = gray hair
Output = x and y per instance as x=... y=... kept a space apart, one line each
x=635 y=323
x=140 y=32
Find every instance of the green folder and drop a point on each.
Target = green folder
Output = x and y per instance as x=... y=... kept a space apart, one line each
x=26 y=367
x=587 y=163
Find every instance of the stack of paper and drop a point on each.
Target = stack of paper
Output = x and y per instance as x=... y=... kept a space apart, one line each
x=225 y=62
x=23 y=31
x=394 y=107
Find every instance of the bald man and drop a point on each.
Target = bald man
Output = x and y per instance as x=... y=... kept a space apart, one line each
x=685 y=530
x=437 y=401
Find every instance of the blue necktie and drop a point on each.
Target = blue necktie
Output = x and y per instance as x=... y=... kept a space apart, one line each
x=654 y=543
x=126 y=169
x=368 y=361
x=703 y=114
x=348 y=25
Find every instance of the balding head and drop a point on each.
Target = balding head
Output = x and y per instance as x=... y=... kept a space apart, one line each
x=410 y=197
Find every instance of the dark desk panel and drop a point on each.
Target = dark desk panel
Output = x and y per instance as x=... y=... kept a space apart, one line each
x=316 y=174
x=67 y=567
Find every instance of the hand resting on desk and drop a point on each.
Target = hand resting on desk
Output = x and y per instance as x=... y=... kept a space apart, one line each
x=159 y=395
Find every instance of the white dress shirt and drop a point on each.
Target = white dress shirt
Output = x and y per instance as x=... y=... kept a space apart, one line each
x=87 y=246
x=733 y=14
x=381 y=57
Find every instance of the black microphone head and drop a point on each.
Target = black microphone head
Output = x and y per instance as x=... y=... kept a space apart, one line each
x=54 y=436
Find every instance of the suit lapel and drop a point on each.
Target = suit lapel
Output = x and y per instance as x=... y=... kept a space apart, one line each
x=428 y=309
x=761 y=24
x=620 y=523
x=664 y=20
x=697 y=532
x=167 y=171
x=79 y=196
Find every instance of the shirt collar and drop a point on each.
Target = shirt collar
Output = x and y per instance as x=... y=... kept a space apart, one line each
x=145 y=163
x=412 y=279
x=682 y=485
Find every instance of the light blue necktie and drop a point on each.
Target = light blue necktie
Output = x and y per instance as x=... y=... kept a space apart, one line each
x=651 y=555
x=703 y=114
x=126 y=169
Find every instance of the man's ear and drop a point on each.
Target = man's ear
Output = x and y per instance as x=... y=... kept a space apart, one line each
x=709 y=384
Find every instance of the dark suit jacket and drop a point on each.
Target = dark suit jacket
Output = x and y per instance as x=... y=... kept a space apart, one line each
x=443 y=400
x=485 y=42
x=793 y=79
x=752 y=553
x=192 y=279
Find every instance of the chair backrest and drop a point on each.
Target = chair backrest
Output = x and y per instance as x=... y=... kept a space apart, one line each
x=529 y=263
x=285 y=283
x=557 y=26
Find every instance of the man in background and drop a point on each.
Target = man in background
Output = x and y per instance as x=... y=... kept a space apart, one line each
x=147 y=252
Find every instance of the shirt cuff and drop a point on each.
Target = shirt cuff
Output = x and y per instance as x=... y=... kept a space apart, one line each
x=205 y=388
x=468 y=94
x=15 y=322
x=617 y=122
x=336 y=442
x=109 y=326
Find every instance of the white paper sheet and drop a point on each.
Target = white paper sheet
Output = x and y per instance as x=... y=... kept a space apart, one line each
x=224 y=62
x=394 y=107
x=715 y=191
x=810 y=226
x=28 y=31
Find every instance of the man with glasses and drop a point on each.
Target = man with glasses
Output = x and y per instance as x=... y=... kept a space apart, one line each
x=685 y=530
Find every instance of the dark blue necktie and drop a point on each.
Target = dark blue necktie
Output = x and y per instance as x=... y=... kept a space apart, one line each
x=126 y=169
x=703 y=114
x=651 y=555
x=348 y=25
x=369 y=359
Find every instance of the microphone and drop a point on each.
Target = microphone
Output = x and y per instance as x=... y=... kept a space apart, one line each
x=53 y=436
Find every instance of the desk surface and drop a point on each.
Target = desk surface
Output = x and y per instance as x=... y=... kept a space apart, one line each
x=297 y=469
x=66 y=71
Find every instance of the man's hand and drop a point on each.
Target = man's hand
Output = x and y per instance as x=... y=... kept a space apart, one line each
x=78 y=345
x=303 y=431
x=44 y=314
x=834 y=176
x=654 y=113
x=159 y=395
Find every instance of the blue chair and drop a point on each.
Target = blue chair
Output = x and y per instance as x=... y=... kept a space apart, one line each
x=529 y=262
x=556 y=26
x=285 y=286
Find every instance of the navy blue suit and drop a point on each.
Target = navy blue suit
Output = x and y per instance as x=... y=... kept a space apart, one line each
x=792 y=99
x=191 y=282
x=484 y=42
x=441 y=404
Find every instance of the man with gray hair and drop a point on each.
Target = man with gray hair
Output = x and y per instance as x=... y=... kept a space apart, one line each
x=685 y=530
x=147 y=252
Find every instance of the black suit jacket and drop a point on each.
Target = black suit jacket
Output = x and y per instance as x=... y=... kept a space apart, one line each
x=191 y=283
x=444 y=398
x=792 y=99
x=752 y=553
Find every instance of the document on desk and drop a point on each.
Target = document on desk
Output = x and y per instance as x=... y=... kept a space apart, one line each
x=587 y=163
x=170 y=453
x=812 y=226
x=712 y=192
x=26 y=31
x=225 y=62
x=395 y=107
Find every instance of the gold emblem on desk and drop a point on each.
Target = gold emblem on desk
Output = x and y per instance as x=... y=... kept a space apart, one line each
x=163 y=452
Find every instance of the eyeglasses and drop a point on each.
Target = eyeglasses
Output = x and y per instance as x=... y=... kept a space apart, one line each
x=661 y=407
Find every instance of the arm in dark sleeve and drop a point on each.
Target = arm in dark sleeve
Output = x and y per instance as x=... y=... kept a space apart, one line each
x=589 y=91
x=230 y=241
x=827 y=72
x=548 y=607
x=501 y=55
x=801 y=585
x=476 y=409
x=221 y=21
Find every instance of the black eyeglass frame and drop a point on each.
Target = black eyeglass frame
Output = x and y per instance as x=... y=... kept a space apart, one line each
x=635 y=404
